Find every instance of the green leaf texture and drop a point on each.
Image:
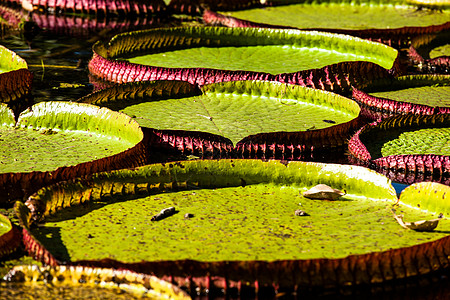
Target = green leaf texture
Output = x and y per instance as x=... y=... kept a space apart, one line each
x=241 y=108
x=272 y=51
x=10 y=61
x=222 y=221
x=54 y=134
x=344 y=15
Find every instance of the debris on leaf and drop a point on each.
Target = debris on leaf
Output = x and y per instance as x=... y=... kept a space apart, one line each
x=187 y=216
x=166 y=212
x=323 y=192
x=422 y=225
x=301 y=213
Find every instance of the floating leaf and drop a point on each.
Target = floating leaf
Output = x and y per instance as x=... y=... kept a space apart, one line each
x=394 y=22
x=417 y=94
x=9 y=236
x=236 y=110
x=204 y=55
x=346 y=15
x=15 y=80
x=217 y=239
x=54 y=141
x=430 y=196
x=100 y=7
x=406 y=144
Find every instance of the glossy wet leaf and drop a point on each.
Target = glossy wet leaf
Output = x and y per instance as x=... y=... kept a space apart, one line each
x=345 y=15
x=117 y=224
x=271 y=51
x=263 y=227
x=239 y=109
x=10 y=61
x=222 y=221
x=55 y=134
x=429 y=196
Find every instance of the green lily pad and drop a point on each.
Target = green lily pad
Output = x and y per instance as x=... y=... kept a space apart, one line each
x=212 y=224
x=259 y=50
x=57 y=136
x=429 y=196
x=9 y=236
x=344 y=15
x=84 y=283
x=409 y=148
x=15 y=80
x=440 y=51
x=10 y=61
x=52 y=134
x=233 y=109
x=419 y=94
x=315 y=59
x=431 y=90
x=430 y=53
x=409 y=135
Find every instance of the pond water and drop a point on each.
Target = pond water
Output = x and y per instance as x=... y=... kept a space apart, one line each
x=58 y=62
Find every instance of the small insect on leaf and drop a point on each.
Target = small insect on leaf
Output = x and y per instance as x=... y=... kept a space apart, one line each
x=166 y=212
x=422 y=225
x=323 y=192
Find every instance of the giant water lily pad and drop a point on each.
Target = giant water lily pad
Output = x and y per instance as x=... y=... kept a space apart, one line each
x=392 y=21
x=250 y=114
x=34 y=282
x=60 y=140
x=9 y=236
x=212 y=54
x=10 y=61
x=15 y=80
x=431 y=53
x=419 y=94
x=412 y=145
x=344 y=15
x=215 y=233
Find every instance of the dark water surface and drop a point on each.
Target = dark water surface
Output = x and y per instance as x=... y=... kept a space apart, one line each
x=58 y=63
